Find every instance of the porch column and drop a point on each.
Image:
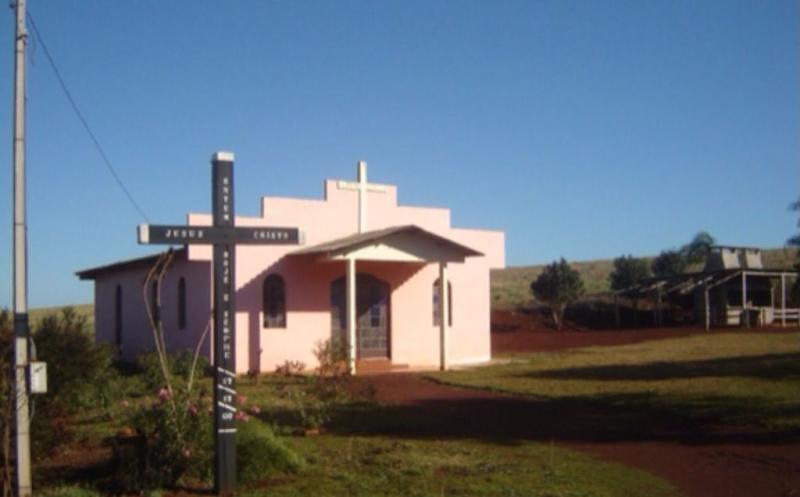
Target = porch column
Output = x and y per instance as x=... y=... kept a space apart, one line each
x=745 y=315
x=660 y=315
x=783 y=300
x=706 y=310
x=351 y=315
x=444 y=317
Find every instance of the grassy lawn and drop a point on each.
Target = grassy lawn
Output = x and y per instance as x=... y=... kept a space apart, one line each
x=699 y=384
x=373 y=450
x=369 y=466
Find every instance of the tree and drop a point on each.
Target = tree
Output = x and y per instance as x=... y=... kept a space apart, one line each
x=794 y=241
x=629 y=271
x=697 y=250
x=669 y=263
x=558 y=286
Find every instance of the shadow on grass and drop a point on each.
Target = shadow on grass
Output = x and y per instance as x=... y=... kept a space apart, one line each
x=613 y=418
x=424 y=409
x=768 y=366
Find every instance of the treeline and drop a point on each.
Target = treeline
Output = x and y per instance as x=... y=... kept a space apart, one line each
x=559 y=285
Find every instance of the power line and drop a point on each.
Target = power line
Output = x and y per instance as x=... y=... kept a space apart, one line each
x=82 y=119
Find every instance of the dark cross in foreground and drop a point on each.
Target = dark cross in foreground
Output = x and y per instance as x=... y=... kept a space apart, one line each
x=224 y=236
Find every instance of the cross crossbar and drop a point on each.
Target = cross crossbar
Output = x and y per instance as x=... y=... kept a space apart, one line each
x=211 y=235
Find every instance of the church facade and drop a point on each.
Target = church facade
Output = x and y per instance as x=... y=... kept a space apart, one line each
x=398 y=285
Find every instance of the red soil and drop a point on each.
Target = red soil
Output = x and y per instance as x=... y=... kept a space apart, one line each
x=701 y=459
x=519 y=332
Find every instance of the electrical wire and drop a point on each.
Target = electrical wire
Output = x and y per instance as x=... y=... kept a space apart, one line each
x=82 y=119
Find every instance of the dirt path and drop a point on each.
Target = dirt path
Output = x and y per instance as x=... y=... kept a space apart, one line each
x=700 y=463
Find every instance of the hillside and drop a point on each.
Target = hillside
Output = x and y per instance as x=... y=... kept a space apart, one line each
x=82 y=309
x=511 y=286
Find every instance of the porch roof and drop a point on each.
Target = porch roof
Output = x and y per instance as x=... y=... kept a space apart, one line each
x=408 y=243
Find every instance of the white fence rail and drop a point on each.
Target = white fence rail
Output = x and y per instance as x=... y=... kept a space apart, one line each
x=788 y=315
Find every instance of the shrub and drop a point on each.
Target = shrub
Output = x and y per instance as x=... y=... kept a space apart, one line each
x=260 y=454
x=86 y=374
x=173 y=441
x=82 y=377
x=69 y=491
x=180 y=364
x=6 y=406
x=290 y=368
x=332 y=357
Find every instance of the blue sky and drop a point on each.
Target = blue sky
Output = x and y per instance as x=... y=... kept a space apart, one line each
x=582 y=129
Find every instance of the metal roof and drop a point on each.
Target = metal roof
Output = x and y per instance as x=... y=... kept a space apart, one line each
x=139 y=262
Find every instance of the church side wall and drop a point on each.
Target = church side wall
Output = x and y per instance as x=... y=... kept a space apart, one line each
x=136 y=333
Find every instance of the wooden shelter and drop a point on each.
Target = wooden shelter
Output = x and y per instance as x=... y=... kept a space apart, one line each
x=733 y=289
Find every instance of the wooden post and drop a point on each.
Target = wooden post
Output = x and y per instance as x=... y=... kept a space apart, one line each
x=783 y=300
x=745 y=313
x=706 y=310
x=658 y=305
x=351 y=315
x=443 y=315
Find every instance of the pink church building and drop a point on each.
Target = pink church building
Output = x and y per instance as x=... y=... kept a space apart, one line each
x=397 y=284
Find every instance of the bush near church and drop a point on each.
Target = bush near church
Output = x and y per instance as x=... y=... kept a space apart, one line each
x=82 y=376
x=558 y=286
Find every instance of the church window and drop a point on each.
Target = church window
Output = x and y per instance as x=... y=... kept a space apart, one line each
x=274 y=304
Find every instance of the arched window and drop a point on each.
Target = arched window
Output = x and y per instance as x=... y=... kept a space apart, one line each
x=118 y=316
x=154 y=307
x=274 y=304
x=436 y=318
x=182 y=303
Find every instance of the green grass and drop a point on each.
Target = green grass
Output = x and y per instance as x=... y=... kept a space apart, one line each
x=511 y=286
x=380 y=466
x=371 y=450
x=715 y=381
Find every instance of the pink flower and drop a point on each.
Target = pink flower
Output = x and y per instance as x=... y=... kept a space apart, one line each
x=186 y=453
x=193 y=410
x=255 y=410
x=241 y=400
x=163 y=395
x=242 y=416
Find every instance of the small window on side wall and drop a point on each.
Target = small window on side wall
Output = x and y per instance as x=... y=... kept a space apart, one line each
x=182 y=304
x=274 y=303
x=436 y=317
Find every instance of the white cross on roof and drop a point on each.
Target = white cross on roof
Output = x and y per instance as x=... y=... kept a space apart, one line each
x=362 y=187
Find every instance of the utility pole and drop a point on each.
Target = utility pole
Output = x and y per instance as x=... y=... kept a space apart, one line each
x=21 y=393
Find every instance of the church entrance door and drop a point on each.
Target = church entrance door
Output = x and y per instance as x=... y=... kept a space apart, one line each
x=372 y=315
